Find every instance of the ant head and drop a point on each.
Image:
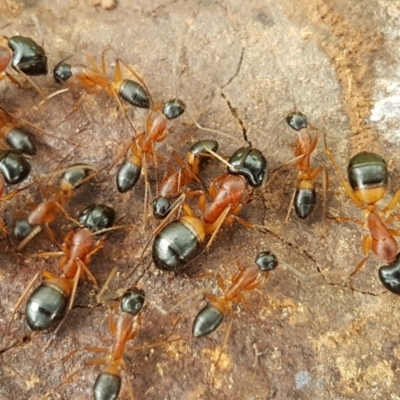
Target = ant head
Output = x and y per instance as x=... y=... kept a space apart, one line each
x=174 y=108
x=266 y=261
x=296 y=120
x=97 y=217
x=161 y=207
x=251 y=164
x=132 y=301
x=22 y=229
x=62 y=72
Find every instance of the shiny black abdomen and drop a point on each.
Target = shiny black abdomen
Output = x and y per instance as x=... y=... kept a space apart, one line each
x=134 y=94
x=367 y=170
x=14 y=166
x=207 y=320
x=107 y=386
x=45 y=305
x=127 y=176
x=175 y=246
x=304 y=202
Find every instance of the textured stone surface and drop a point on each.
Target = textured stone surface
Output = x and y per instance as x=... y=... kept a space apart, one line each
x=302 y=339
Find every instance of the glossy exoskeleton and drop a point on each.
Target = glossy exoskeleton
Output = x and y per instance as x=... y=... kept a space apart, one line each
x=251 y=164
x=297 y=120
x=305 y=198
x=53 y=298
x=368 y=179
x=180 y=241
x=108 y=382
x=14 y=167
x=28 y=56
x=97 y=217
x=211 y=316
x=47 y=211
x=174 y=182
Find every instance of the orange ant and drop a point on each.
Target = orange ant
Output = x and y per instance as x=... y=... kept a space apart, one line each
x=248 y=278
x=179 y=242
x=175 y=180
x=94 y=81
x=54 y=298
x=46 y=212
x=304 y=197
x=368 y=178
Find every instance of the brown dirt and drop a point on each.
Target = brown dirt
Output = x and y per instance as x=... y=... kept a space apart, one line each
x=302 y=339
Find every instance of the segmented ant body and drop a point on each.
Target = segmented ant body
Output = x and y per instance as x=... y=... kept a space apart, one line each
x=47 y=211
x=249 y=278
x=108 y=382
x=54 y=298
x=304 y=197
x=368 y=178
x=174 y=182
x=94 y=81
x=180 y=241
x=142 y=147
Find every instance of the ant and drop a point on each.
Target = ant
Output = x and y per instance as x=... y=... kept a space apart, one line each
x=247 y=278
x=174 y=181
x=46 y=212
x=304 y=197
x=94 y=81
x=25 y=56
x=54 y=298
x=179 y=242
x=368 y=178
x=108 y=382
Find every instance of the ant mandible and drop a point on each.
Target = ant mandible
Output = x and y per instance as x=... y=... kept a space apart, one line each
x=179 y=242
x=368 y=178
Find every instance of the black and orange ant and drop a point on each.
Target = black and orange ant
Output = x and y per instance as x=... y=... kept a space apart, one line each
x=174 y=181
x=247 y=278
x=368 y=178
x=304 y=197
x=46 y=212
x=54 y=298
x=180 y=241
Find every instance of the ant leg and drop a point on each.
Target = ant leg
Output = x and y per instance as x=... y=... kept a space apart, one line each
x=87 y=272
x=20 y=300
x=290 y=206
x=92 y=63
x=33 y=84
x=203 y=128
x=392 y=203
x=70 y=305
x=216 y=226
x=34 y=233
x=225 y=343
x=75 y=108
